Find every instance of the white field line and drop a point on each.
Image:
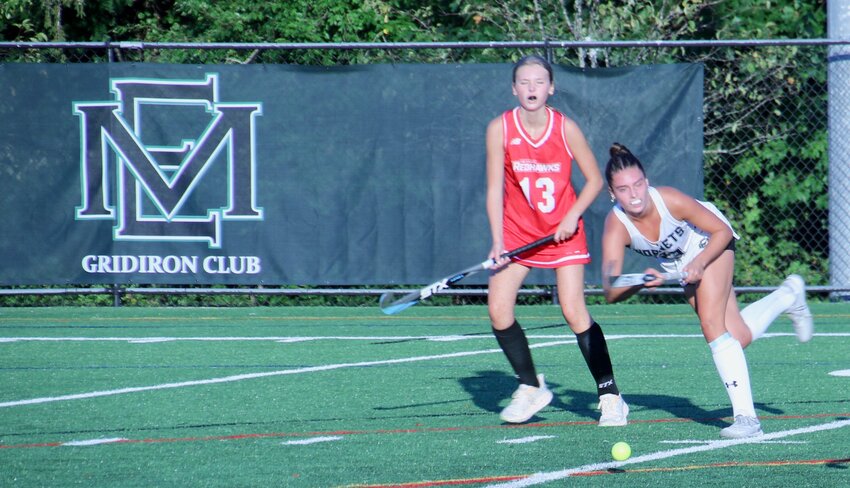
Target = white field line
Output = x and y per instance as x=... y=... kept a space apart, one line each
x=141 y=340
x=568 y=339
x=440 y=338
x=525 y=440
x=94 y=442
x=241 y=377
x=541 y=478
x=312 y=440
x=284 y=339
x=696 y=441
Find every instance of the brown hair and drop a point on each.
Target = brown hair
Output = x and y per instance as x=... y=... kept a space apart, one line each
x=621 y=158
x=534 y=59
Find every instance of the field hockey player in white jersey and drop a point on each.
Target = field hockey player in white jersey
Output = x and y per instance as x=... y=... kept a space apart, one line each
x=531 y=150
x=687 y=235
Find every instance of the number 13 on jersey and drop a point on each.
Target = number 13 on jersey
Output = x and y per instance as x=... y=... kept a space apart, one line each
x=545 y=198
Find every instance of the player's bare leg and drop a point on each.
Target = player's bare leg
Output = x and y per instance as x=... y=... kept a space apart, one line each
x=710 y=298
x=532 y=395
x=592 y=343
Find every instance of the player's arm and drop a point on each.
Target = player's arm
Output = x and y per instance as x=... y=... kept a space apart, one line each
x=588 y=166
x=496 y=186
x=615 y=238
x=685 y=207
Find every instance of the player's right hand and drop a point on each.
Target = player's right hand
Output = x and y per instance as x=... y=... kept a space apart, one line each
x=496 y=253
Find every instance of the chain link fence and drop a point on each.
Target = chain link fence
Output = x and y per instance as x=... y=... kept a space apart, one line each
x=767 y=109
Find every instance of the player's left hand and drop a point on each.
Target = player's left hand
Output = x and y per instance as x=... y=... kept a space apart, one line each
x=658 y=281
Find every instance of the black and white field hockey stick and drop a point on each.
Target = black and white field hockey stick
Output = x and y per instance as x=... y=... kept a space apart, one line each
x=635 y=279
x=391 y=303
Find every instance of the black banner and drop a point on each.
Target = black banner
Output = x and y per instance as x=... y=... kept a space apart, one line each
x=267 y=174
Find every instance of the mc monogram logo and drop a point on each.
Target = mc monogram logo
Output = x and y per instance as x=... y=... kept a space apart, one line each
x=178 y=160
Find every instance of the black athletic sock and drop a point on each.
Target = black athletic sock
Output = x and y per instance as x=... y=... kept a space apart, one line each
x=595 y=351
x=515 y=346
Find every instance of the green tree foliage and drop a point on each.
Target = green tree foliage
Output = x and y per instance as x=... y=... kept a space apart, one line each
x=766 y=159
x=238 y=21
x=37 y=21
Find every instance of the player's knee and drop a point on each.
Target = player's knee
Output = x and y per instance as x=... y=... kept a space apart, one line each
x=712 y=328
x=579 y=321
x=501 y=317
x=502 y=323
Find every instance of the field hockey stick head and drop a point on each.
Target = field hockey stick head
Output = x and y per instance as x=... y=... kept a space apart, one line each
x=392 y=303
x=627 y=280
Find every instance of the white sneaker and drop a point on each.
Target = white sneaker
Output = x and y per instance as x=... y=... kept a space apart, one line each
x=799 y=312
x=527 y=401
x=614 y=409
x=743 y=426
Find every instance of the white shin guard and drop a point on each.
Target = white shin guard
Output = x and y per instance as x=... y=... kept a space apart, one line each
x=760 y=314
x=731 y=364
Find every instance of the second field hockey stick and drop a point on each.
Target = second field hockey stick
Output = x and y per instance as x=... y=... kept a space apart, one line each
x=391 y=303
x=635 y=279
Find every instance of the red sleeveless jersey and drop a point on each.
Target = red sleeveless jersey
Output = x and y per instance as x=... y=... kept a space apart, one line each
x=539 y=193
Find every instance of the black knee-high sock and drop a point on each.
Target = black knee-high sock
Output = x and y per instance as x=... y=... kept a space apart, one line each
x=595 y=351
x=515 y=346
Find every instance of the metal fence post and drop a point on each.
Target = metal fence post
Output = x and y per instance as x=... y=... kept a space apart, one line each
x=838 y=61
x=116 y=295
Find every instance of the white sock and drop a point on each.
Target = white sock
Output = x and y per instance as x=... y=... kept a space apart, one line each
x=760 y=314
x=731 y=364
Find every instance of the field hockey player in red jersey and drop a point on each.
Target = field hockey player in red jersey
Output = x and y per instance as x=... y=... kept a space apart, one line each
x=687 y=235
x=531 y=150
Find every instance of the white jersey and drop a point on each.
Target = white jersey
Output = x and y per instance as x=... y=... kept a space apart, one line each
x=678 y=241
